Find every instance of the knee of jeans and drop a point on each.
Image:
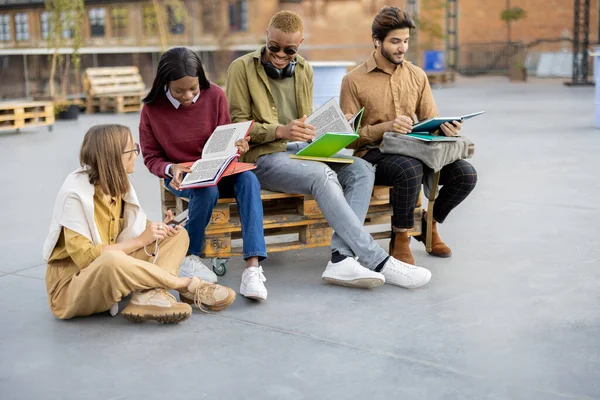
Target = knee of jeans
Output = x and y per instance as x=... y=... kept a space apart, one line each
x=325 y=176
x=248 y=180
x=363 y=170
x=207 y=195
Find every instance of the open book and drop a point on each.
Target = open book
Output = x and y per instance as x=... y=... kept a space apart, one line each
x=433 y=124
x=334 y=133
x=218 y=153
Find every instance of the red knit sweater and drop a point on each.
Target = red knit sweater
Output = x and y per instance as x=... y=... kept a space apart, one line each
x=170 y=135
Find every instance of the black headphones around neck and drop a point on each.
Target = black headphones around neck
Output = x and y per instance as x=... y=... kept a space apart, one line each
x=275 y=73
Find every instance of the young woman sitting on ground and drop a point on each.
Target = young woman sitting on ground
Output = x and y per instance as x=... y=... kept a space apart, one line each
x=101 y=248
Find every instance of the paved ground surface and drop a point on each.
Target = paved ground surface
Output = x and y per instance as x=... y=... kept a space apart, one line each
x=514 y=314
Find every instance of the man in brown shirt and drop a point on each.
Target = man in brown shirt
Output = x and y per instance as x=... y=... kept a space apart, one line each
x=394 y=92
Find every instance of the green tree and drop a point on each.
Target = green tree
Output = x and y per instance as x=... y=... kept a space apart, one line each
x=64 y=28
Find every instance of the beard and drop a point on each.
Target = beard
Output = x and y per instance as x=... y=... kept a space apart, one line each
x=389 y=56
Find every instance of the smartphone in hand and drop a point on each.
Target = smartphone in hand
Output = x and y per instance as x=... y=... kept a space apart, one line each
x=180 y=219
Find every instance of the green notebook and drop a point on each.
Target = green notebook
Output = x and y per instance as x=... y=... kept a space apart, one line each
x=330 y=143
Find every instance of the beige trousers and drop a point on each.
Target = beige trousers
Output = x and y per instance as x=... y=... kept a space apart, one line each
x=74 y=293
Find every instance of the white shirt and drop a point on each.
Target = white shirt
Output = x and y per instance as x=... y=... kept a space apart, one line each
x=176 y=104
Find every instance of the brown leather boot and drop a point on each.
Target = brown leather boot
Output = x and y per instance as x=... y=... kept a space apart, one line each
x=399 y=248
x=438 y=247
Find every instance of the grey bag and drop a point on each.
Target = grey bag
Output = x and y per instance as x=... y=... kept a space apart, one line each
x=433 y=154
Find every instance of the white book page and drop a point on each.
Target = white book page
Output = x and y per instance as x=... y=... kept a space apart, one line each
x=204 y=170
x=329 y=118
x=222 y=141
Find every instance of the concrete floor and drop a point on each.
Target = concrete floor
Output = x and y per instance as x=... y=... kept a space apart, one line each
x=514 y=314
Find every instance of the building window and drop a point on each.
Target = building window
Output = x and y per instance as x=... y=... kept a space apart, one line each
x=97 y=22
x=4 y=28
x=119 y=22
x=150 y=25
x=45 y=24
x=21 y=26
x=176 y=15
x=238 y=16
x=67 y=20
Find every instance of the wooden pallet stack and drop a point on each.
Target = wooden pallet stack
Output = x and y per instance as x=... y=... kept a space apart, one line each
x=439 y=78
x=291 y=221
x=16 y=116
x=113 y=89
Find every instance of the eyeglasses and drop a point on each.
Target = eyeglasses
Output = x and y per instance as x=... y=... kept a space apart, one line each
x=135 y=150
x=290 y=51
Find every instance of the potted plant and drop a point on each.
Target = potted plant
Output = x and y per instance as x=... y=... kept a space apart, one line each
x=64 y=29
x=517 y=70
x=66 y=109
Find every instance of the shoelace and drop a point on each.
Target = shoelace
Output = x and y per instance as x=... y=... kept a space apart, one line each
x=257 y=274
x=404 y=269
x=204 y=289
x=166 y=293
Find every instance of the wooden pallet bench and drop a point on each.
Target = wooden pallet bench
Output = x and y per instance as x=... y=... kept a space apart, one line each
x=290 y=222
x=441 y=77
x=15 y=116
x=113 y=89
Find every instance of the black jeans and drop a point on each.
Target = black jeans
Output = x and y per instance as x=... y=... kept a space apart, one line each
x=405 y=174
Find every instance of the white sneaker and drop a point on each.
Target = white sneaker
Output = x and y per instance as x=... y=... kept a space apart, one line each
x=192 y=266
x=252 y=283
x=350 y=273
x=405 y=275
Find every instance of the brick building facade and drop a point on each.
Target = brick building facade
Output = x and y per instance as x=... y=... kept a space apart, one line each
x=126 y=33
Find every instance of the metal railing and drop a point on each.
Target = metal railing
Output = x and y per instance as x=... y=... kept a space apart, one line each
x=489 y=58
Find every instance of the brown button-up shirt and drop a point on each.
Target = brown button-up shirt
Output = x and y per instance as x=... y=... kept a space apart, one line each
x=405 y=92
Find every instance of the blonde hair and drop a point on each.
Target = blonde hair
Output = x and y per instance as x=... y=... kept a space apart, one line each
x=287 y=22
x=101 y=156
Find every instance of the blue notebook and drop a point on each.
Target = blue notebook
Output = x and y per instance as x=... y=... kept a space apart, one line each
x=433 y=124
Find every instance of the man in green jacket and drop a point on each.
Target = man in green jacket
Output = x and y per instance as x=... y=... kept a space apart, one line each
x=273 y=86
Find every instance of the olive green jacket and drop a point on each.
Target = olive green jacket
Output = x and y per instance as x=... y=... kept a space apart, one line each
x=250 y=98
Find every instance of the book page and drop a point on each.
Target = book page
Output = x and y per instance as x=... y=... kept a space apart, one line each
x=204 y=170
x=222 y=141
x=355 y=120
x=329 y=118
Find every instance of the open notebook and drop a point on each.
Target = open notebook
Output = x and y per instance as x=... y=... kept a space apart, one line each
x=334 y=133
x=218 y=154
x=433 y=124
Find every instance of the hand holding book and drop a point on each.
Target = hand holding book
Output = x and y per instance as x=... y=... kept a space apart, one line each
x=296 y=131
x=451 y=129
x=177 y=171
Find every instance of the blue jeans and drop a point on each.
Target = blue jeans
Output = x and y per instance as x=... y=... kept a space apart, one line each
x=246 y=190
x=342 y=191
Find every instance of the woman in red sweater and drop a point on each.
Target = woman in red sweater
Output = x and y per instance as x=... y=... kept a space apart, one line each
x=180 y=113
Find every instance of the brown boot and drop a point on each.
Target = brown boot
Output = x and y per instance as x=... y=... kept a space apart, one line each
x=438 y=247
x=399 y=248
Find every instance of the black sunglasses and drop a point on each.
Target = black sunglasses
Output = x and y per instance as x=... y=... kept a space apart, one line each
x=290 y=51
x=136 y=149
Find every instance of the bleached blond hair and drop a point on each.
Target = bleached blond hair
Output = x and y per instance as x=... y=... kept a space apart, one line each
x=287 y=22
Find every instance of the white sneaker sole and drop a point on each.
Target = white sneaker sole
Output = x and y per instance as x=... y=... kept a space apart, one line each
x=253 y=295
x=413 y=286
x=365 y=283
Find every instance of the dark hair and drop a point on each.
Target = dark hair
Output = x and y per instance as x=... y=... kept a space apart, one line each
x=389 y=19
x=174 y=64
x=101 y=156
